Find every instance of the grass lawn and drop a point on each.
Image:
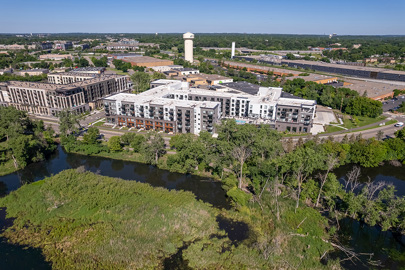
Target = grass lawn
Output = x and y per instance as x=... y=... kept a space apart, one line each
x=362 y=121
x=98 y=124
x=7 y=168
x=119 y=72
x=390 y=122
x=294 y=134
x=330 y=129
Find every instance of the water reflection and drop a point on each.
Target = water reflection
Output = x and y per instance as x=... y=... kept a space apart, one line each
x=387 y=173
x=377 y=249
x=19 y=257
x=208 y=191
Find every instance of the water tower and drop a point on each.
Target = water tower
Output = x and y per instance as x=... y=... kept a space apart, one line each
x=188 y=46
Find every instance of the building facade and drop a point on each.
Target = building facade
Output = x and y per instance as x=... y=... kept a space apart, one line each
x=49 y=99
x=191 y=110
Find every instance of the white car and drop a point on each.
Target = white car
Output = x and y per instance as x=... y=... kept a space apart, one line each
x=400 y=124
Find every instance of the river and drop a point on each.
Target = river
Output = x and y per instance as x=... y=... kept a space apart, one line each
x=361 y=238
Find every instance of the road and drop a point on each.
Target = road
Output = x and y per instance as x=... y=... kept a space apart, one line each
x=388 y=130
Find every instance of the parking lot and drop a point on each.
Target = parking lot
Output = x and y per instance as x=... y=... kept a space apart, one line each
x=393 y=104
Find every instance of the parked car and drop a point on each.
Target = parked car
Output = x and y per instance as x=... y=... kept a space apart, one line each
x=399 y=124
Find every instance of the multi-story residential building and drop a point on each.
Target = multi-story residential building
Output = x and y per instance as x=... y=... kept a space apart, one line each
x=194 y=109
x=63 y=45
x=46 y=45
x=70 y=77
x=161 y=114
x=49 y=99
x=94 y=70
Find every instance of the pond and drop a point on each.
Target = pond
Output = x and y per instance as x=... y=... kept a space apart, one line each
x=388 y=249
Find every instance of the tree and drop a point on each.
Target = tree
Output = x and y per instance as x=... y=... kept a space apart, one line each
x=380 y=135
x=303 y=161
x=241 y=154
x=400 y=134
x=154 y=147
x=91 y=136
x=82 y=62
x=401 y=108
x=12 y=122
x=19 y=146
x=114 y=144
x=331 y=162
x=158 y=75
x=140 y=81
x=68 y=122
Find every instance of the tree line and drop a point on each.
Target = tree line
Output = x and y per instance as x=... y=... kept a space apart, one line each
x=249 y=159
x=23 y=140
x=343 y=99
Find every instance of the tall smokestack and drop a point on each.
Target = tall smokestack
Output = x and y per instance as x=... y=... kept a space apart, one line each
x=233 y=50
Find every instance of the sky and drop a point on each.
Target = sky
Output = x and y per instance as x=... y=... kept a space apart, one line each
x=344 y=17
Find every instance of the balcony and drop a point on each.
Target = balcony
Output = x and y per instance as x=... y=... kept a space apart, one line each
x=179 y=126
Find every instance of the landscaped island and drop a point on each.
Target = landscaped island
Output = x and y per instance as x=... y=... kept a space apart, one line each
x=83 y=220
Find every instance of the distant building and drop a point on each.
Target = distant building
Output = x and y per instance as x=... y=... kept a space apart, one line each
x=188 y=47
x=46 y=45
x=121 y=56
x=6 y=71
x=122 y=47
x=56 y=57
x=64 y=45
x=81 y=46
x=187 y=71
x=33 y=72
x=146 y=61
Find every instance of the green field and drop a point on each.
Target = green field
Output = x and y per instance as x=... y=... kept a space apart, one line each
x=82 y=220
x=7 y=167
x=361 y=121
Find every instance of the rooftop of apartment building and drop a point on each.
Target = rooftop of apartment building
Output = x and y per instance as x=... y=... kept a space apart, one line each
x=264 y=94
x=246 y=87
x=160 y=101
x=60 y=87
x=87 y=69
x=76 y=74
